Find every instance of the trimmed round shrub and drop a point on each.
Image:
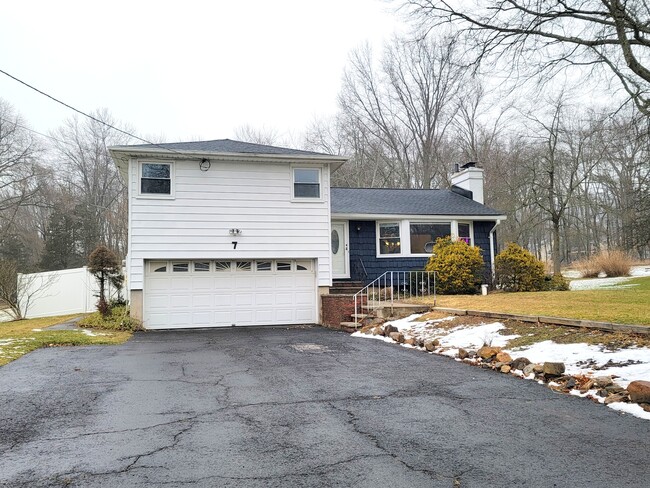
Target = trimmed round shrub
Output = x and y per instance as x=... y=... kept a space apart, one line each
x=518 y=270
x=458 y=266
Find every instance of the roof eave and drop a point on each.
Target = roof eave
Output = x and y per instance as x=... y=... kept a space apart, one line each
x=367 y=216
x=335 y=161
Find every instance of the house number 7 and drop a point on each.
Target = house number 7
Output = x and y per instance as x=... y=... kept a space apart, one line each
x=234 y=244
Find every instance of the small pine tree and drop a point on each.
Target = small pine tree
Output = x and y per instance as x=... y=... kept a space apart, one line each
x=104 y=265
x=518 y=270
x=458 y=266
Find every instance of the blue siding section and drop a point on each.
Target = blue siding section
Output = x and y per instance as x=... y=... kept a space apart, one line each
x=363 y=249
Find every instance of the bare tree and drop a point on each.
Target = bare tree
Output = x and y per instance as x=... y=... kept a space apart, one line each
x=90 y=175
x=547 y=36
x=565 y=158
x=19 y=169
x=405 y=106
x=257 y=135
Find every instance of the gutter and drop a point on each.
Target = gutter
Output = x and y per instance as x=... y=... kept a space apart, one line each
x=491 y=235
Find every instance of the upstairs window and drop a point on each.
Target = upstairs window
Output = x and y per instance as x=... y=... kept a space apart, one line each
x=306 y=183
x=155 y=178
x=389 y=238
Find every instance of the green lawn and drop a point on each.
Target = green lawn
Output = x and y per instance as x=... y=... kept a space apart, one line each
x=19 y=337
x=623 y=305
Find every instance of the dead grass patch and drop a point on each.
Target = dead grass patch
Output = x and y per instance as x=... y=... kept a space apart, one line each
x=531 y=333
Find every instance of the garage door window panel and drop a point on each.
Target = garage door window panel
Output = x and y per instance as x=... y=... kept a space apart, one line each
x=201 y=266
x=158 y=266
x=244 y=265
x=222 y=266
x=180 y=267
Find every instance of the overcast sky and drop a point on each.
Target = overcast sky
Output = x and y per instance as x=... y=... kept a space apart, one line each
x=186 y=70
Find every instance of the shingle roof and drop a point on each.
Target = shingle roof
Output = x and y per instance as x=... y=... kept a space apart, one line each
x=222 y=146
x=380 y=201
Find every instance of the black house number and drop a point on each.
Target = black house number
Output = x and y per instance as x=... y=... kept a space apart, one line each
x=234 y=244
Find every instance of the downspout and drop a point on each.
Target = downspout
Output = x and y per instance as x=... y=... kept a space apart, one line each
x=492 y=248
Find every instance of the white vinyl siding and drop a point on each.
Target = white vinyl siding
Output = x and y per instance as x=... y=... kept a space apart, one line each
x=253 y=197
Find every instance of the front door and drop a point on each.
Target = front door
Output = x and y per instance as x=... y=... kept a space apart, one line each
x=340 y=259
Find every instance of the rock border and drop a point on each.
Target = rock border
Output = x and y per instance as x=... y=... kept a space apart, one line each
x=541 y=319
x=601 y=389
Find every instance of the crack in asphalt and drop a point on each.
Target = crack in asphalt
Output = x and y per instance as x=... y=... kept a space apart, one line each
x=352 y=421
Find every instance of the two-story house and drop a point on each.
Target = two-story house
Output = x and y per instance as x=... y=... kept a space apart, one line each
x=227 y=233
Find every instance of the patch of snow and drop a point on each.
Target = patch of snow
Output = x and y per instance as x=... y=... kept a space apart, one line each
x=607 y=283
x=574 y=354
x=5 y=315
x=631 y=408
x=6 y=341
x=475 y=337
x=598 y=283
x=37 y=330
x=643 y=270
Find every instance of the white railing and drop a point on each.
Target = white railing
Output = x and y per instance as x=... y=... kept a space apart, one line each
x=393 y=286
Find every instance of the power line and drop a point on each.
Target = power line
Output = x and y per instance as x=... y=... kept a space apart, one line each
x=84 y=113
x=32 y=130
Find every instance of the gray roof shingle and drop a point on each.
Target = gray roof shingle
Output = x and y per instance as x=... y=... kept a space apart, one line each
x=222 y=146
x=390 y=201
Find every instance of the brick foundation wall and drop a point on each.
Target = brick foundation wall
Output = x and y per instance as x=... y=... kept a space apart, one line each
x=337 y=309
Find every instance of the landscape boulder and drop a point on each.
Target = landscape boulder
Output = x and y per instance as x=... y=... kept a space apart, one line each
x=396 y=336
x=603 y=381
x=505 y=368
x=431 y=345
x=616 y=398
x=411 y=341
x=488 y=352
x=639 y=391
x=389 y=328
x=553 y=369
x=520 y=363
x=503 y=357
x=462 y=353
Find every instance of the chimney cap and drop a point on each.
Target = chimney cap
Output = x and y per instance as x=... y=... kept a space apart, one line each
x=469 y=164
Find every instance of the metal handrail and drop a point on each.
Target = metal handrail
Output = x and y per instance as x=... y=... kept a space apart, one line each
x=385 y=285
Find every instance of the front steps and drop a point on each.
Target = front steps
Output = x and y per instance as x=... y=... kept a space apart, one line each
x=345 y=287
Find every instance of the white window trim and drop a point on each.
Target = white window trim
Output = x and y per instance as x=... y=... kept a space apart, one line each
x=294 y=198
x=405 y=235
x=157 y=196
x=400 y=223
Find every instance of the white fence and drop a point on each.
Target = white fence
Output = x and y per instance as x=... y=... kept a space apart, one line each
x=57 y=292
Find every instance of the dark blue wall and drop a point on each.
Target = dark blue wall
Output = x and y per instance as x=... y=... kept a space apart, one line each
x=363 y=248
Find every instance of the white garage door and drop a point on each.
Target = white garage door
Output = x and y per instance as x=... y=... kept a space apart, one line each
x=213 y=293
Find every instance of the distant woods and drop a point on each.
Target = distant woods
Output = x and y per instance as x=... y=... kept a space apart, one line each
x=60 y=196
x=573 y=177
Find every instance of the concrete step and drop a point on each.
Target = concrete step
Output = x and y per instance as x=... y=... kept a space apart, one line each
x=359 y=315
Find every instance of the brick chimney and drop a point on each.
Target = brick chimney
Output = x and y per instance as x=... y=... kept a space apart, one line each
x=470 y=178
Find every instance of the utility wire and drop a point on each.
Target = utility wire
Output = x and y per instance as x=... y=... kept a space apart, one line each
x=85 y=114
x=32 y=130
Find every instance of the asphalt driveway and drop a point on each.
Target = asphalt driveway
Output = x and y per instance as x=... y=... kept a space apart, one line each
x=297 y=407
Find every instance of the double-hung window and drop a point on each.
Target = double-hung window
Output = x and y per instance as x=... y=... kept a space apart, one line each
x=389 y=238
x=306 y=183
x=155 y=178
